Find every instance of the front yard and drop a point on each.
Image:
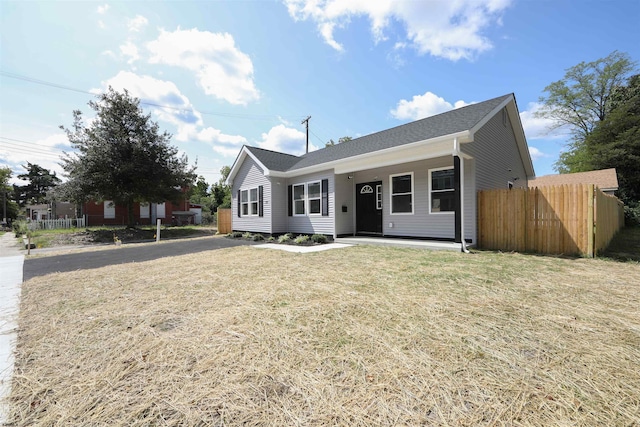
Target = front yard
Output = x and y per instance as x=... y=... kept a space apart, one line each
x=356 y=336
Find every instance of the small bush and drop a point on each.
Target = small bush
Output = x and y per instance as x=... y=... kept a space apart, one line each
x=319 y=238
x=247 y=235
x=235 y=235
x=257 y=237
x=301 y=239
x=271 y=239
x=285 y=238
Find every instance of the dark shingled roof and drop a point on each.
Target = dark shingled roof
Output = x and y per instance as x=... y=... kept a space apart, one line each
x=447 y=123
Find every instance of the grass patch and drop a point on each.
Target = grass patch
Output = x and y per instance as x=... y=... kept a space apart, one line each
x=357 y=336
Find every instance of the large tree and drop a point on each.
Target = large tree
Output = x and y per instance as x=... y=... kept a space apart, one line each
x=122 y=156
x=8 y=206
x=581 y=98
x=615 y=143
x=39 y=182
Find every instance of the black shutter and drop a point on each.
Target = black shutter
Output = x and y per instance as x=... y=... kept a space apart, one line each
x=325 y=197
x=260 y=201
x=239 y=205
x=289 y=198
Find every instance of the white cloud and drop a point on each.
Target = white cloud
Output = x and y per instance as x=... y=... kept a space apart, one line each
x=130 y=50
x=137 y=24
x=536 y=127
x=101 y=24
x=536 y=153
x=227 y=145
x=442 y=28
x=286 y=140
x=221 y=68
x=45 y=152
x=180 y=112
x=103 y=9
x=422 y=106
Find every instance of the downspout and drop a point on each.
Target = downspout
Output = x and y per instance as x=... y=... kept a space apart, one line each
x=456 y=152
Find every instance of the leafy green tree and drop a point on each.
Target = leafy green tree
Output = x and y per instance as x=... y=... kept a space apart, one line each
x=581 y=99
x=200 y=190
x=220 y=191
x=7 y=204
x=122 y=156
x=40 y=181
x=615 y=143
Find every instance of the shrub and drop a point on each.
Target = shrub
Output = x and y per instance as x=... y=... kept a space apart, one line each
x=257 y=237
x=271 y=239
x=319 y=238
x=235 y=234
x=284 y=238
x=303 y=238
x=247 y=235
x=207 y=218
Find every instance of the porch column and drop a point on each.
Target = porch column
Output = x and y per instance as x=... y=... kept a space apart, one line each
x=457 y=199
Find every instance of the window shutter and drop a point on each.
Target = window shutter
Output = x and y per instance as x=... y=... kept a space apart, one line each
x=289 y=197
x=239 y=205
x=260 y=200
x=325 y=197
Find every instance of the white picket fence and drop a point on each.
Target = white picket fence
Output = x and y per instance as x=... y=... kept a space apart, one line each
x=52 y=224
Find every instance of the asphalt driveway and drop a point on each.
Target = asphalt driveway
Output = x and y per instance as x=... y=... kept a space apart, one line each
x=34 y=267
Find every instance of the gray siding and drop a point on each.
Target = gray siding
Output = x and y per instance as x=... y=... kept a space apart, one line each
x=310 y=224
x=422 y=223
x=496 y=151
x=344 y=196
x=250 y=176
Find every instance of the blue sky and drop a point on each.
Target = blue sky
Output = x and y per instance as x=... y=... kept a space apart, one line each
x=247 y=72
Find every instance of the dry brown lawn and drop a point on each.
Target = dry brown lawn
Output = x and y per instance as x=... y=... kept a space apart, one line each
x=359 y=336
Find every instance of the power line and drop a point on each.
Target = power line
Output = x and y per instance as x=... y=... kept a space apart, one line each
x=151 y=104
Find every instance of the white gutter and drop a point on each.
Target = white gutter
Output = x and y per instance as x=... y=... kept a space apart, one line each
x=456 y=152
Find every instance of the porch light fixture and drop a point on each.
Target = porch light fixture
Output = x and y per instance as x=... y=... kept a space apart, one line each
x=349 y=176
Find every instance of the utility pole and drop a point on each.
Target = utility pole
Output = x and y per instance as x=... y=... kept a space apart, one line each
x=306 y=121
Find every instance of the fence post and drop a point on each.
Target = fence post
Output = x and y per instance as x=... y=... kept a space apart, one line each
x=158 y=221
x=591 y=226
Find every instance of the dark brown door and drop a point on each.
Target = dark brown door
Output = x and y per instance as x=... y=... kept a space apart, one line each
x=369 y=207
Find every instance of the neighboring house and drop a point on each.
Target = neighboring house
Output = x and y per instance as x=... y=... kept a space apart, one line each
x=605 y=179
x=108 y=213
x=54 y=210
x=417 y=180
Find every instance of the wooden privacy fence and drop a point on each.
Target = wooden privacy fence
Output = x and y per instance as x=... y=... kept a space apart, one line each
x=567 y=219
x=224 y=221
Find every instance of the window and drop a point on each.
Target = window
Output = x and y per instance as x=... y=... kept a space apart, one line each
x=144 y=210
x=401 y=193
x=379 y=197
x=253 y=194
x=315 y=196
x=109 y=209
x=442 y=194
x=244 y=202
x=298 y=199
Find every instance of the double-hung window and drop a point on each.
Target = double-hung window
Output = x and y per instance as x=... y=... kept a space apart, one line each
x=298 y=199
x=253 y=201
x=314 y=195
x=109 y=209
x=401 y=193
x=441 y=190
x=244 y=202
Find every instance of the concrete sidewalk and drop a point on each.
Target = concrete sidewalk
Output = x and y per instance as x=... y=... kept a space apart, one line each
x=11 y=265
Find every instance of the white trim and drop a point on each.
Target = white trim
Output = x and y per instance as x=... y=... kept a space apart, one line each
x=319 y=198
x=304 y=199
x=439 y=191
x=379 y=197
x=242 y=204
x=256 y=201
x=391 y=194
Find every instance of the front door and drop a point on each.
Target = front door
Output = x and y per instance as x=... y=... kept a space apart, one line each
x=369 y=207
